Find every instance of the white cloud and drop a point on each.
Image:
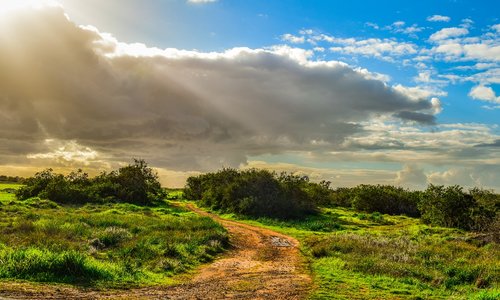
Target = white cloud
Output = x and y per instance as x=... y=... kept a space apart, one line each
x=419 y=92
x=438 y=18
x=447 y=33
x=485 y=176
x=482 y=52
x=379 y=48
x=372 y=25
x=484 y=93
x=293 y=38
x=67 y=153
x=399 y=27
x=411 y=176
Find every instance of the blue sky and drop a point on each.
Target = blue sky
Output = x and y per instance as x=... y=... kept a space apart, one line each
x=354 y=92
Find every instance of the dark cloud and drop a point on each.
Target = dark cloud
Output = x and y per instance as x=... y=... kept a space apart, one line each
x=495 y=144
x=417 y=117
x=182 y=110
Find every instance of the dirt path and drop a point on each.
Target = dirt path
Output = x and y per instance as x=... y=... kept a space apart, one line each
x=262 y=264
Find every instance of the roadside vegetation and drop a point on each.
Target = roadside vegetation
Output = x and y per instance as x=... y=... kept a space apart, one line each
x=123 y=234
x=374 y=241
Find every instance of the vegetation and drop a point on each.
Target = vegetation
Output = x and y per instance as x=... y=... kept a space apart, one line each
x=11 y=179
x=254 y=193
x=136 y=183
x=110 y=244
x=260 y=193
x=452 y=207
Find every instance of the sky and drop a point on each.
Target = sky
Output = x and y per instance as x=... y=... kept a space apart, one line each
x=375 y=92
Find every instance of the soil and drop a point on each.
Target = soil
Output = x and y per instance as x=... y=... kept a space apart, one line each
x=261 y=264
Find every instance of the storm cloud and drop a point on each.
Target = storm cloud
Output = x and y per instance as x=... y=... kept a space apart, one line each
x=182 y=110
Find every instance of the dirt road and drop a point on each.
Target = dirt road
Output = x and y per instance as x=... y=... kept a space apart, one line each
x=262 y=264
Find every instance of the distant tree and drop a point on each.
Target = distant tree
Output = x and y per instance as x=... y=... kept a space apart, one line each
x=385 y=199
x=11 y=179
x=36 y=184
x=136 y=183
x=447 y=206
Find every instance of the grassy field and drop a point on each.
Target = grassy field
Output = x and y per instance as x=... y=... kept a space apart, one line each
x=373 y=256
x=101 y=245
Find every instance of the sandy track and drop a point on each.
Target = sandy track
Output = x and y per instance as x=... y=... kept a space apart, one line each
x=262 y=264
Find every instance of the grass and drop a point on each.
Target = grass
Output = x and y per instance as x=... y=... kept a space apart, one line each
x=109 y=245
x=356 y=255
x=7 y=191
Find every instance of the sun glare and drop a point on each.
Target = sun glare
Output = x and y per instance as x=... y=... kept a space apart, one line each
x=8 y=6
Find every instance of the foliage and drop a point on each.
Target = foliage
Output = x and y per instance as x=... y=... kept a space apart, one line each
x=135 y=183
x=11 y=179
x=378 y=198
x=452 y=207
x=255 y=193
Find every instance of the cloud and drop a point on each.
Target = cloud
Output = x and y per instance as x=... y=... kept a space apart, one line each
x=438 y=18
x=411 y=176
x=293 y=38
x=399 y=27
x=447 y=33
x=485 y=176
x=484 y=93
x=102 y=99
x=385 y=49
x=379 y=48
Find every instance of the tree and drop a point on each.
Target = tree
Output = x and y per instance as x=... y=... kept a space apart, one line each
x=138 y=183
x=447 y=206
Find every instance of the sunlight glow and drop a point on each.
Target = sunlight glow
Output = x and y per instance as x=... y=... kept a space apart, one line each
x=7 y=6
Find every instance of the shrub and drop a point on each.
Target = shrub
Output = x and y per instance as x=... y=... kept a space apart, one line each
x=136 y=183
x=452 y=207
x=378 y=198
x=254 y=193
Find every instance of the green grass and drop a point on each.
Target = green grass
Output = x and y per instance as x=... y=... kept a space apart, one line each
x=373 y=256
x=7 y=191
x=102 y=245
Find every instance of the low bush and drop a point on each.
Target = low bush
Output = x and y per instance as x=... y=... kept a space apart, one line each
x=136 y=183
x=255 y=193
x=453 y=207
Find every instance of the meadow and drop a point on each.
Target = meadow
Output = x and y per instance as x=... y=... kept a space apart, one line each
x=102 y=245
x=356 y=255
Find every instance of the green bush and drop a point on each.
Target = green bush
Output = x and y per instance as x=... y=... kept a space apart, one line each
x=452 y=207
x=136 y=183
x=378 y=198
x=254 y=193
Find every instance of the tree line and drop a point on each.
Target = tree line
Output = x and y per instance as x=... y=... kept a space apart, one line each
x=11 y=179
x=259 y=193
x=264 y=193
